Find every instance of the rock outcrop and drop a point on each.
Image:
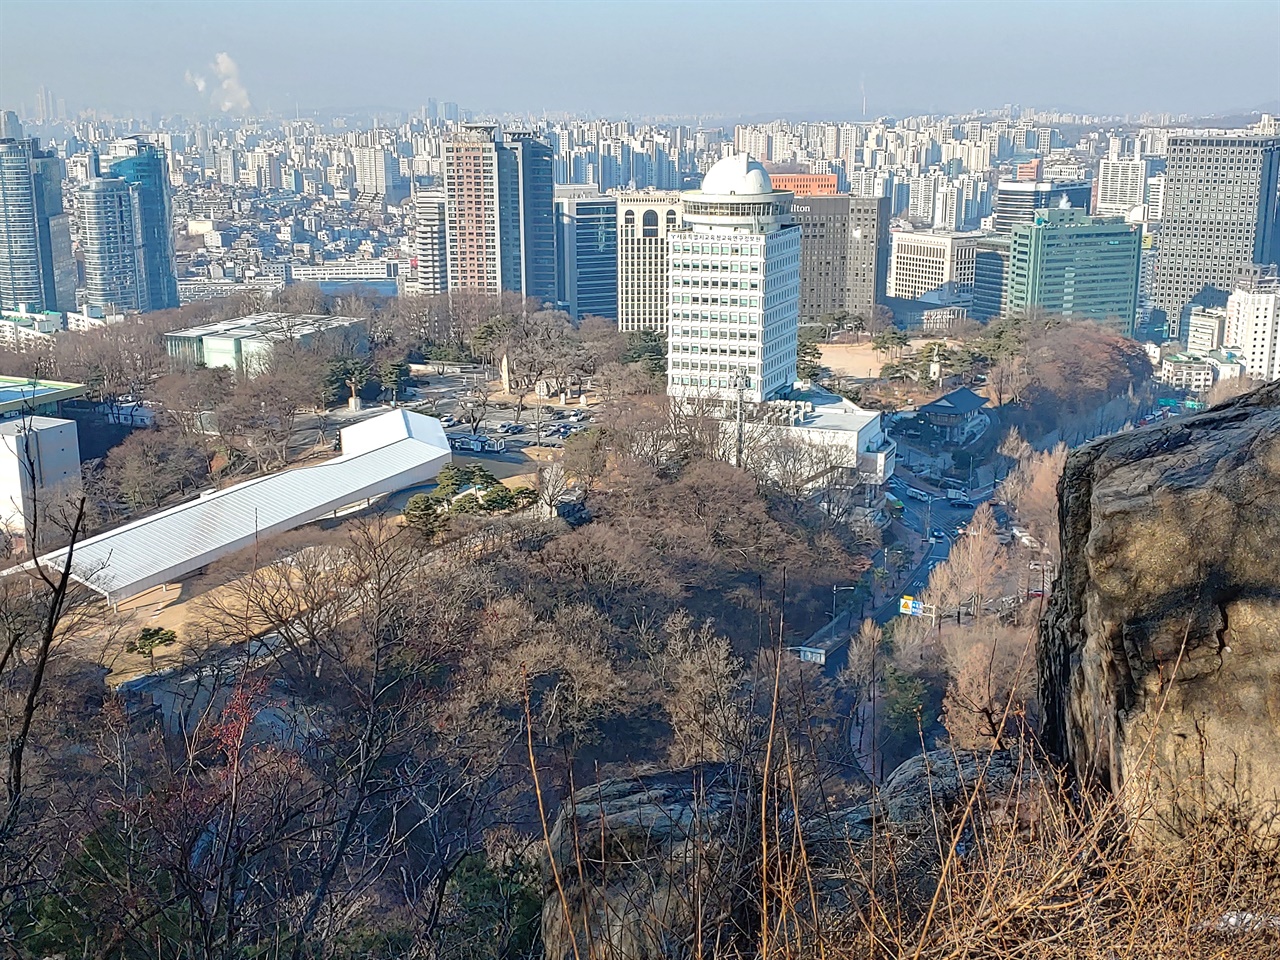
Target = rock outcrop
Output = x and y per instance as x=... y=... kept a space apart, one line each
x=1160 y=651
x=667 y=866
x=653 y=867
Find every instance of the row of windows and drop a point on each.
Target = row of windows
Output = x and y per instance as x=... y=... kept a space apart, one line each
x=726 y=301
x=713 y=333
x=729 y=249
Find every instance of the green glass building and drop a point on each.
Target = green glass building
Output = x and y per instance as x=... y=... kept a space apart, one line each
x=1075 y=266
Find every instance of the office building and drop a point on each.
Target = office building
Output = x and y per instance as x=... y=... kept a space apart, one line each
x=1253 y=322
x=1185 y=371
x=936 y=266
x=37 y=270
x=500 y=212
x=10 y=126
x=1206 y=329
x=844 y=253
x=527 y=216
x=1017 y=201
x=1219 y=217
x=646 y=221
x=734 y=282
x=586 y=252
x=430 y=246
x=806 y=184
x=143 y=167
x=990 y=275
x=1122 y=186
x=1070 y=265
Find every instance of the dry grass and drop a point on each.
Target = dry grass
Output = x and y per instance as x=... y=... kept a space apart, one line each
x=1027 y=871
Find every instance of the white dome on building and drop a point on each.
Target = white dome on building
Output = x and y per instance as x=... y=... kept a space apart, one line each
x=738 y=175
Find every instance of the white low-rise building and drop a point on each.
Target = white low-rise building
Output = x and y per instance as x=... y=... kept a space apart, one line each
x=816 y=439
x=39 y=470
x=1185 y=371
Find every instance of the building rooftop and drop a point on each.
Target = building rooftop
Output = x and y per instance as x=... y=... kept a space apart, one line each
x=829 y=411
x=956 y=403
x=18 y=425
x=19 y=396
x=379 y=456
x=268 y=325
x=737 y=175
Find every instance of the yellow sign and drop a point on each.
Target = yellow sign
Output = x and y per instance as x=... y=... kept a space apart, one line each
x=904 y=605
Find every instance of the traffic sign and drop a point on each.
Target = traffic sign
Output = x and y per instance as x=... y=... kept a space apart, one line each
x=904 y=605
x=1166 y=402
x=812 y=654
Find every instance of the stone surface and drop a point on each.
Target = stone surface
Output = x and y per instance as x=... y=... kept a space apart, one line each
x=1160 y=651
x=653 y=867
x=658 y=867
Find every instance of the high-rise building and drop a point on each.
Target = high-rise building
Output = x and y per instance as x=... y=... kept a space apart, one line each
x=526 y=215
x=587 y=252
x=646 y=221
x=1253 y=322
x=844 y=253
x=1018 y=200
x=144 y=168
x=377 y=175
x=10 y=126
x=734 y=282
x=1071 y=265
x=990 y=274
x=1220 y=216
x=932 y=265
x=36 y=265
x=500 y=212
x=1122 y=185
x=111 y=239
x=430 y=245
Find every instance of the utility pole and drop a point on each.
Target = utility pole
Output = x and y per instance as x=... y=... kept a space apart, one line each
x=739 y=384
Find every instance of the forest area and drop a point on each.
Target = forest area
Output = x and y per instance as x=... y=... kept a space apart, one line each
x=380 y=785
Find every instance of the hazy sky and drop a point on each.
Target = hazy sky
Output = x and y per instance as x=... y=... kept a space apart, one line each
x=632 y=59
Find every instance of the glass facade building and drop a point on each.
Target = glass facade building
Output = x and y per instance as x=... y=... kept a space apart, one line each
x=1071 y=265
x=148 y=173
x=587 y=255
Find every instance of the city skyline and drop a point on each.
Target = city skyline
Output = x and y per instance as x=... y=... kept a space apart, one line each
x=550 y=58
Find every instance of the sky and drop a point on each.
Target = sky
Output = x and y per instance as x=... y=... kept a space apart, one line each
x=705 y=58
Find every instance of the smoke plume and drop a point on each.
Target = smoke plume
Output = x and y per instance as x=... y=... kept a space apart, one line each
x=227 y=91
x=231 y=94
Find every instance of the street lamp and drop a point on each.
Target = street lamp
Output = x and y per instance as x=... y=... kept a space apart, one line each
x=834 y=590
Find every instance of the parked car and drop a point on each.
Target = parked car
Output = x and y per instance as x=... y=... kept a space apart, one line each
x=960 y=503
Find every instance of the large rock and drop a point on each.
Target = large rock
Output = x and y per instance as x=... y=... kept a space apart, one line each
x=667 y=866
x=653 y=867
x=1160 y=652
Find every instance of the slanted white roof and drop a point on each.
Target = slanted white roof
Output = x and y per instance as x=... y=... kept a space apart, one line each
x=380 y=456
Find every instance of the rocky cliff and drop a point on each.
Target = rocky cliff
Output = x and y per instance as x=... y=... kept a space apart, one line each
x=1160 y=651
x=669 y=865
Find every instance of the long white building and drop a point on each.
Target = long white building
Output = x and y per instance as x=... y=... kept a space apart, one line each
x=733 y=304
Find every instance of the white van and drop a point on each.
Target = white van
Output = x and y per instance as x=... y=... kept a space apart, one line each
x=918 y=495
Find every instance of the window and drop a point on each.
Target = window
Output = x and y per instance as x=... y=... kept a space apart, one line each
x=650 y=224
